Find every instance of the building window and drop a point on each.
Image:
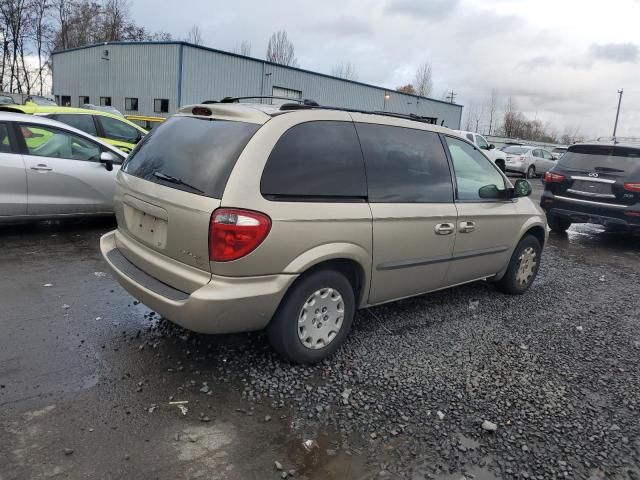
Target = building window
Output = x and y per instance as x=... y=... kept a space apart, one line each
x=83 y=100
x=105 y=101
x=284 y=92
x=161 y=105
x=131 y=104
x=66 y=100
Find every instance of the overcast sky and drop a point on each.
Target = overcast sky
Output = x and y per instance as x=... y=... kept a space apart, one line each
x=562 y=60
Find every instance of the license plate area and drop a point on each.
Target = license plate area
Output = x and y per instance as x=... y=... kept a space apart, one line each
x=592 y=189
x=146 y=227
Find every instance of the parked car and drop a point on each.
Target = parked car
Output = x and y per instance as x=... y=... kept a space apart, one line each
x=291 y=219
x=103 y=108
x=113 y=129
x=595 y=183
x=6 y=100
x=558 y=152
x=49 y=170
x=39 y=100
x=489 y=149
x=528 y=160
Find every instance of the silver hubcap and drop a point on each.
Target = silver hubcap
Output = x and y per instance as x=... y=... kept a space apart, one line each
x=527 y=267
x=320 y=318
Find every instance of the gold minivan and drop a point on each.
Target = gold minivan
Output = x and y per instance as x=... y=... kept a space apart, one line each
x=235 y=217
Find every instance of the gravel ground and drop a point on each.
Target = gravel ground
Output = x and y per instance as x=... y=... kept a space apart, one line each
x=554 y=372
x=466 y=382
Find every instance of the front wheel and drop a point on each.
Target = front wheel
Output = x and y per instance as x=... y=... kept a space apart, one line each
x=531 y=172
x=523 y=267
x=314 y=318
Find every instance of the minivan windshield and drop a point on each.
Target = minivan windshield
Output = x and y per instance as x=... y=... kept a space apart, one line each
x=604 y=158
x=193 y=154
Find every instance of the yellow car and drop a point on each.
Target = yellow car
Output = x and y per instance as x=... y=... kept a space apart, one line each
x=115 y=130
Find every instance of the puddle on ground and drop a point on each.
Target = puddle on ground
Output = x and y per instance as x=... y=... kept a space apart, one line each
x=321 y=458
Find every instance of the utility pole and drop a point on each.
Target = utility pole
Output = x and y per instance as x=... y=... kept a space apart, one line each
x=615 y=126
x=452 y=96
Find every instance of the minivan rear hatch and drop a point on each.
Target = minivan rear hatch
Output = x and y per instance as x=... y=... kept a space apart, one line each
x=169 y=186
x=599 y=173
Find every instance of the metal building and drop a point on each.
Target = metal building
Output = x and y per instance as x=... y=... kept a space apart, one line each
x=156 y=78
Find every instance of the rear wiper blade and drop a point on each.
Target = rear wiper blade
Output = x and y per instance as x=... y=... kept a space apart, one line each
x=177 y=181
x=608 y=169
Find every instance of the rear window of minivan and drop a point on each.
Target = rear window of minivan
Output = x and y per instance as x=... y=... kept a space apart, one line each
x=607 y=157
x=192 y=154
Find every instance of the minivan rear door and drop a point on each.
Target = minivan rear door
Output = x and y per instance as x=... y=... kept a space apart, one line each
x=170 y=185
x=598 y=173
x=411 y=198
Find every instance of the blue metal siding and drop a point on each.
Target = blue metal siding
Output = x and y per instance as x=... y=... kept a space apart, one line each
x=187 y=74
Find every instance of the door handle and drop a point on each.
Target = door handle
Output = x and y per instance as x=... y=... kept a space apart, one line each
x=444 y=228
x=467 y=227
x=42 y=167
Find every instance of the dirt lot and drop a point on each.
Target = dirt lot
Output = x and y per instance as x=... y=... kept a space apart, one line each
x=87 y=377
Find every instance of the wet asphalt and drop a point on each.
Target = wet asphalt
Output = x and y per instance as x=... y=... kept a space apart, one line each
x=89 y=378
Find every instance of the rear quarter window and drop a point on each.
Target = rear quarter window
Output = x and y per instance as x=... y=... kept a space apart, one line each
x=316 y=160
x=198 y=153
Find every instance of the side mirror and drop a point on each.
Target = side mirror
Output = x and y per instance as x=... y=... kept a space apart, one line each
x=491 y=146
x=522 y=188
x=107 y=159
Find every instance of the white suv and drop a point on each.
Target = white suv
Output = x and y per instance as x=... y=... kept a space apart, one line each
x=489 y=149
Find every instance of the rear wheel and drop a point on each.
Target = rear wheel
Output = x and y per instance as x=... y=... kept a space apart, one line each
x=523 y=267
x=531 y=172
x=314 y=318
x=558 y=224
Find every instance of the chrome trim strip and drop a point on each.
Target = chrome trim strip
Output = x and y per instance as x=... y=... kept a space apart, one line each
x=444 y=258
x=591 y=194
x=590 y=202
x=593 y=179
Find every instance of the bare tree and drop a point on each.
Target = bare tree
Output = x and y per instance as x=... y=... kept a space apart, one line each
x=424 y=80
x=243 y=49
x=281 y=50
x=115 y=19
x=346 y=70
x=195 y=35
x=408 y=88
x=492 y=107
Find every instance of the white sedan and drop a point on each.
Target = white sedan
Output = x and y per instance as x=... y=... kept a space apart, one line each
x=51 y=170
x=528 y=160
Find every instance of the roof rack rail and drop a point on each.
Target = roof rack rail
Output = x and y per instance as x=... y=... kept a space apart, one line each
x=406 y=116
x=304 y=101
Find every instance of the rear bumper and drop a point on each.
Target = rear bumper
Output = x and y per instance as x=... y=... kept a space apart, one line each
x=586 y=211
x=515 y=167
x=224 y=305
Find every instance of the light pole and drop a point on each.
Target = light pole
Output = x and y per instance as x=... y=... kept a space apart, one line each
x=615 y=125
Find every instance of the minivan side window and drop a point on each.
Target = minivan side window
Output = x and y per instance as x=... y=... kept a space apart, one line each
x=473 y=171
x=316 y=160
x=481 y=142
x=5 y=139
x=405 y=165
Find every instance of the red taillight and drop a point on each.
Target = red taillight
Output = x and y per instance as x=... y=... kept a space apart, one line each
x=233 y=233
x=632 y=187
x=553 y=177
x=632 y=214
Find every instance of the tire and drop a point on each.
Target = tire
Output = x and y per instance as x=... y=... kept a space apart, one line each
x=516 y=281
x=284 y=331
x=531 y=172
x=558 y=224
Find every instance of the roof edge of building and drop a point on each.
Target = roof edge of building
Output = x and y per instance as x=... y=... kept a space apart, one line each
x=215 y=50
